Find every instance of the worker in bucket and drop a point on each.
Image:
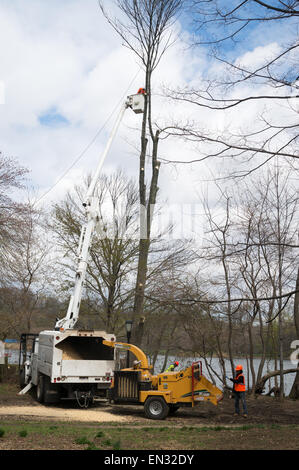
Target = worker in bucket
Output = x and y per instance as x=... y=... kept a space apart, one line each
x=172 y=367
x=239 y=390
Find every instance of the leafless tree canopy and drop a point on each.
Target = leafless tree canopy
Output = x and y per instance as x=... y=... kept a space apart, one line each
x=272 y=85
x=11 y=177
x=144 y=26
x=224 y=21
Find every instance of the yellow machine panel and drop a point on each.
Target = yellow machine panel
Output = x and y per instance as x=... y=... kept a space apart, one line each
x=162 y=393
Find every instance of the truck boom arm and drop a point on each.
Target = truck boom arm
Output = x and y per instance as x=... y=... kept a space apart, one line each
x=91 y=204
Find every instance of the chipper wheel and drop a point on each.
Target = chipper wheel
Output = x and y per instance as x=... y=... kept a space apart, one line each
x=156 y=408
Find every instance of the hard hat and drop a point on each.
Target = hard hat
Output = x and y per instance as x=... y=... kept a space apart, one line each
x=176 y=363
x=135 y=363
x=239 y=367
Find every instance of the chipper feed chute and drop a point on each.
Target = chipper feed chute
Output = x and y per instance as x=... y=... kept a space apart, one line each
x=202 y=388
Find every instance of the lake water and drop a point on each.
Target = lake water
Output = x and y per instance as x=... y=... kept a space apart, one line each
x=13 y=358
x=269 y=366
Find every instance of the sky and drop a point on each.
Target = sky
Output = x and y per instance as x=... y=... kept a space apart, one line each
x=63 y=77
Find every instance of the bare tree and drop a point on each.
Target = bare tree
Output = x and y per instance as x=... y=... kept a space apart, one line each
x=145 y=28
x=114 y=251
x=28 y=272
x=12 y=177
x=24 y=264
x=246 y=266
x=294 y=393
x=236 y=86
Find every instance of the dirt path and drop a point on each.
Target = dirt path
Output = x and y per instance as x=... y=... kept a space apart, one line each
x=261 y=410
x=63 y=414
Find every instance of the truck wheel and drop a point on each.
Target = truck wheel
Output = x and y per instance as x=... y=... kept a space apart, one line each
x=51 y=391
x=156 y=408
x=40 y=389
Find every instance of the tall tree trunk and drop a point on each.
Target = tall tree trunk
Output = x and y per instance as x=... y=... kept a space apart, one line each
x=251 y=349
x=141 y=26
x=294 y=393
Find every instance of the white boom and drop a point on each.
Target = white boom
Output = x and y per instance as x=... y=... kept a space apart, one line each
x=91 y=204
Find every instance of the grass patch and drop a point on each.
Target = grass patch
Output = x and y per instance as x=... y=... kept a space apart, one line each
x=219 y=428
x=107 y=443
x=275 y=426
x=90 y=437
x=82 y=440
x=116 y=445
x=6 y=388
x=92 y=446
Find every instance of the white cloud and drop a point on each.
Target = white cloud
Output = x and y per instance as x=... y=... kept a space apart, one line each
x=258 y=56
x=63 y=55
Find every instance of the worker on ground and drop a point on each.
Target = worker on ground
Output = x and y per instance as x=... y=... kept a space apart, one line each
x=136 y=364
x=172 y=367
x=239 y=391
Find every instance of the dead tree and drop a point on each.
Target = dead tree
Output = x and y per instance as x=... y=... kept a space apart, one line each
x=145 y=28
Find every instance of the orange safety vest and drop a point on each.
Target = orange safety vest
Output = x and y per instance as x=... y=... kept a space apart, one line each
x=240 y=387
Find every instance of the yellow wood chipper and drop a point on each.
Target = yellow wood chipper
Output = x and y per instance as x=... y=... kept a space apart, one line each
x=163 y=393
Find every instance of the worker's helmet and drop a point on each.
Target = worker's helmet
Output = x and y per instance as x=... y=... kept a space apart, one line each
x=136 y=363
x=176 y=363
x=239 y=367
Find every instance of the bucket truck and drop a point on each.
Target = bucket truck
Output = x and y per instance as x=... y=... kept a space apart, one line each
x=68 y=363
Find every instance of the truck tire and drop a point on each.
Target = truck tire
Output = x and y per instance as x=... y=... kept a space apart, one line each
x=40 y=389
x=156 y=408
x=51 y=391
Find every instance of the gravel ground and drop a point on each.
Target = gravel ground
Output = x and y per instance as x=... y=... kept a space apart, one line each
x=261 y=410
x=64 y=414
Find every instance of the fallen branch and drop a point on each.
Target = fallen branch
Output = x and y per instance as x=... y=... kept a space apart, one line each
x=259 y=387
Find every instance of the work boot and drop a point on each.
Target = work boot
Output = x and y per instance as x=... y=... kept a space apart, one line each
x=236 y=414
x=245 y=415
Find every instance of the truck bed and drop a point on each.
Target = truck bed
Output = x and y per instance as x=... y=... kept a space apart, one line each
x=75 y=356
